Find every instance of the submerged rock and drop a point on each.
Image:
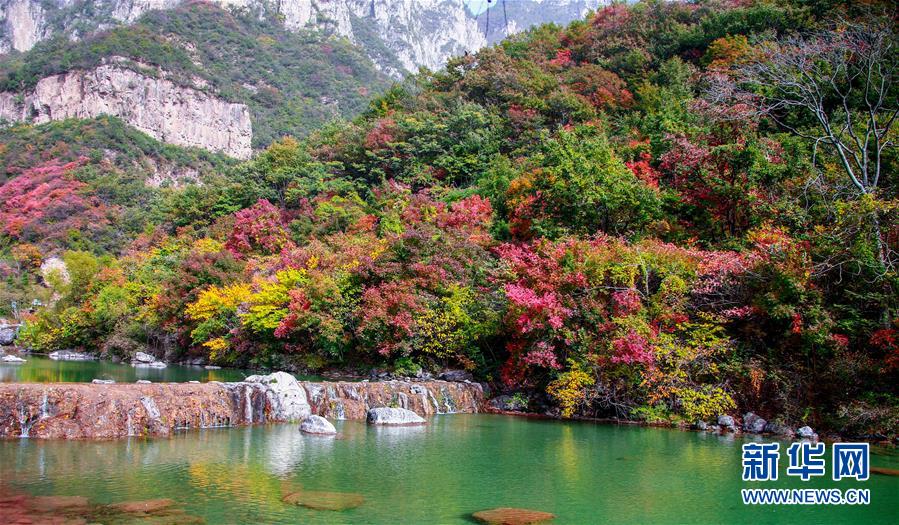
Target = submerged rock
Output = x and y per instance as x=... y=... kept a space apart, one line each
x=12 y=359
x=883 y=471
x=70 y=355
x=753 y=423
x=393 y=416
x=317 y=425
x=150 y=505
x=512 y=516
x=55 y=503
x=320 y=500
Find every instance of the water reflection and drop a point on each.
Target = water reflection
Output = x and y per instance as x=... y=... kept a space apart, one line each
x=437 y=473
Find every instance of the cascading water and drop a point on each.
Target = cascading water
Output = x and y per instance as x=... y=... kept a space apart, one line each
x=248 y=409
x=44 y=406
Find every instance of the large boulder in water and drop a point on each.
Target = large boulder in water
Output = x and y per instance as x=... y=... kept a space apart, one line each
x=317 y=425
x=512 y=516
x=393 y=416
x=753 y=423
x=286 y=397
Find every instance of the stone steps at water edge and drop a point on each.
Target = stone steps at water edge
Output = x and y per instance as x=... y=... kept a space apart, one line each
x=108 y=411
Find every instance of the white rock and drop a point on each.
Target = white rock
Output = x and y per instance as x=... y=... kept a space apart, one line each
x=142 y=357
x=286 y=397
x=70 y=355
x=393 y=416
x=12 y=359
x=317 y=425
x=103 y=381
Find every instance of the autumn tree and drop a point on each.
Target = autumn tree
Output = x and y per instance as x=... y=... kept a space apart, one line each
x=837 y=89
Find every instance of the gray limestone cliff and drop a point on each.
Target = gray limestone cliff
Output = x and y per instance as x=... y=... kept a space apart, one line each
x=153 y=104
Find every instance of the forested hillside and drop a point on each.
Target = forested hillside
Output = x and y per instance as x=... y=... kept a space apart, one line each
x=664 y=212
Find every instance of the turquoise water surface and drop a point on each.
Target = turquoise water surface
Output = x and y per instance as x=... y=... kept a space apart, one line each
x=439 y=473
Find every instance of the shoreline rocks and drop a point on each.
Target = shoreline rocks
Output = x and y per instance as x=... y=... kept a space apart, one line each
x=116 y=410
x=727 y=422
x=70 y=355
x=393 y=416
x=753 y=423
x=806 y=432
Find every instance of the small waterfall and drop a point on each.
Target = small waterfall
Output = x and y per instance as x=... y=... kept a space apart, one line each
x=448 y=401
x=248 y=405
x=402 y=400
x=434 y=402
x=44 y=406
x=129 y=425
x=24 y=421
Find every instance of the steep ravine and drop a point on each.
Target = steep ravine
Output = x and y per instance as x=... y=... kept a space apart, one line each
x=158 y=107
x=107 y=411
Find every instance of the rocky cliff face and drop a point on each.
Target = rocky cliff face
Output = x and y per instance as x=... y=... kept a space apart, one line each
x=414 y=32
x=98 y=411
x=152 y=104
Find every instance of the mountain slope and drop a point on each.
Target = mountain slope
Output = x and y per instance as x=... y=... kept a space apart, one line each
x=291 y=82
x=414 y=32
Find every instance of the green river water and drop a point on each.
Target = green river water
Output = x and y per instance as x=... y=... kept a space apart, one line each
x=41 y=369
x=439 y=473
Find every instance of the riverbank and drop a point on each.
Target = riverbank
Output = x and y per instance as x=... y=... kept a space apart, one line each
x=108 y=411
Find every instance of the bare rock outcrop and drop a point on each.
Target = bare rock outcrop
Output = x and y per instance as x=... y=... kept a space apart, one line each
x=153 y=104
x=106 y=411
